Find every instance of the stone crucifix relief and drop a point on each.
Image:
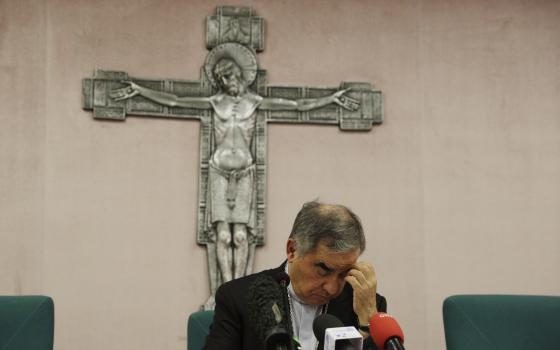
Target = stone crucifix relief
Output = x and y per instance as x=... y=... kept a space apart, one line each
x=234 y=107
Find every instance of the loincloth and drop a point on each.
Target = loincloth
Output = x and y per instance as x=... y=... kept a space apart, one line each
x=231 y=195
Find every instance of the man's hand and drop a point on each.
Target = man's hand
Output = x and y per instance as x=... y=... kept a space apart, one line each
x=126 y=92
x=344 y=101
x=363 y=281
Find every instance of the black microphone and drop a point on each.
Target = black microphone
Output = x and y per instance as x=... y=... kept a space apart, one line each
x=283 y=279
x=264 y=300
x=321 y=323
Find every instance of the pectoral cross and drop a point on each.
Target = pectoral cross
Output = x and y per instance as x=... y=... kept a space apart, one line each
x=234 y=106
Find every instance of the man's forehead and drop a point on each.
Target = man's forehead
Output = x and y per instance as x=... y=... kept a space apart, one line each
x=334 y=267
x=336 y=260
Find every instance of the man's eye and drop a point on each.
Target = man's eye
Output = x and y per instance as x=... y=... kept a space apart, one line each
x=321 y=271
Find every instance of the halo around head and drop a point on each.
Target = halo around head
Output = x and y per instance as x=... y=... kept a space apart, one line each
x=242 y=55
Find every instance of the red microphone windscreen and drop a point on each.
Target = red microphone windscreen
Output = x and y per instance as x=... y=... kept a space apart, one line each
x=383 y=327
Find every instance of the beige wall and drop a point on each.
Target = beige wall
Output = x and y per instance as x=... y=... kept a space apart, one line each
x=458 y=190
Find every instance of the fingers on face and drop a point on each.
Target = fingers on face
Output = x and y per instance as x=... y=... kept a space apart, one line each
x=364 y=266
x=353 y=281
x=364 y=273
x=358 y=275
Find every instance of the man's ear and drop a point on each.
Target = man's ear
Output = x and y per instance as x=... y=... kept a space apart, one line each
x=291 y=249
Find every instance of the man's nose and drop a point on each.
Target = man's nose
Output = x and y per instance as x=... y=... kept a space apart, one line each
x=333 y=285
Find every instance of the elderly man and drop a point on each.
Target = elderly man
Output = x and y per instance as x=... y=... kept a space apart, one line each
x=325 y=277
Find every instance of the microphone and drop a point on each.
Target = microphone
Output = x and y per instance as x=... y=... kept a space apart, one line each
x=386 y=332
x=264 y=300
x=325 y=321
x=283 y=279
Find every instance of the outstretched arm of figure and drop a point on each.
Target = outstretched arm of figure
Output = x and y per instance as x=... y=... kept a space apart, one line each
x=160 y=97
x=306 y=104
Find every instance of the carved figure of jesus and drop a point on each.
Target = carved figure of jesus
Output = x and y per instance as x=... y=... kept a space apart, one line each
x=231 y=178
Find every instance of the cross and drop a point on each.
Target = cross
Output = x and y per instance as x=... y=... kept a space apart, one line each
x=234 y=106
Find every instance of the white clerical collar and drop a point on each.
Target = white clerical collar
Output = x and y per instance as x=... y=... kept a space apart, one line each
x=302 y=316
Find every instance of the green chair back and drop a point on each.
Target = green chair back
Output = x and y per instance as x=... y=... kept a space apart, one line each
x=198 y=328
x=26 y=323
x=502 y=322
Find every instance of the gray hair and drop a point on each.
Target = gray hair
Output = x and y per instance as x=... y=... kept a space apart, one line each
x=336 y=226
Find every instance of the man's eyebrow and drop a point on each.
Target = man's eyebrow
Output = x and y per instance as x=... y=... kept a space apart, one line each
x=324 y=266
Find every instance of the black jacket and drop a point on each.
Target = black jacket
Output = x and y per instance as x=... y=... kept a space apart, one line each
x=233 y=328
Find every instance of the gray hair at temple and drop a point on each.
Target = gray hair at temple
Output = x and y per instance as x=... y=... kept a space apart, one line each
x=336 y=226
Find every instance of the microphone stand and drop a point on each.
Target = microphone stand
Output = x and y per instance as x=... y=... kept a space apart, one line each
x=393 y=344
x=287 y=310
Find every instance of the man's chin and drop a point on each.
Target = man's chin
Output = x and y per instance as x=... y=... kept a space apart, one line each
x=318 y=300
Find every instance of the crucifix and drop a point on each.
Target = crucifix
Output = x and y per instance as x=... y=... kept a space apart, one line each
x=234 y=106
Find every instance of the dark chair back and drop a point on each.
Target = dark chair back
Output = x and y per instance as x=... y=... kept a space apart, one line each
x=198 y=328
x=496 y=322
x=26 y=323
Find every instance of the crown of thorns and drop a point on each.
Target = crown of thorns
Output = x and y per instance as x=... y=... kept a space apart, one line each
x=244 y=57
